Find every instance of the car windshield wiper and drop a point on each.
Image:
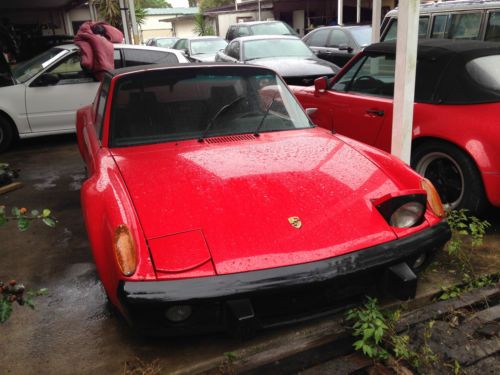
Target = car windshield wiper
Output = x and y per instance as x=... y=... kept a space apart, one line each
x=217 y=114
x=256 y=132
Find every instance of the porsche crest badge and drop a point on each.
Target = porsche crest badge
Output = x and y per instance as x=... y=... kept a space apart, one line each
x=295 y=222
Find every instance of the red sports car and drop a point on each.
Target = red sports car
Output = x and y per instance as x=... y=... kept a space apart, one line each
x=213 y=203
x=456 y=120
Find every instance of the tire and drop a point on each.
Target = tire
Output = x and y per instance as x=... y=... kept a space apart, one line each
x=453 y=173
x=6 y=134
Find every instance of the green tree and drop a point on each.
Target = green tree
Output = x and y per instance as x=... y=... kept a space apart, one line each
x=193 y=3
x=154 y=4
x=209 y=4
x=201 y=26
x=109 y=10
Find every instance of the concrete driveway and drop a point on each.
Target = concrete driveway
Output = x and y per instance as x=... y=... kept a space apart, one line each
x=72 y=329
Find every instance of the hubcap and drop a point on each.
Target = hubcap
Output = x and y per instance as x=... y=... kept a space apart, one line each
x=446 y=175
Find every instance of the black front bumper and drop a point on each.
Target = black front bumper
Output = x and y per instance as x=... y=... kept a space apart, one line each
x=271 y=297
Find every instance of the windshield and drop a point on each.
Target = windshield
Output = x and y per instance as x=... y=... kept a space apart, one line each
x=166 y=42
x=362 y=35
x=207 y=46
x=274 y=28
x=258 y=49
x=194 y=103
x=28 y=69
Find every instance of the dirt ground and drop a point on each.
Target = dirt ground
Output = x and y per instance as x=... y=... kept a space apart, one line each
x=72 y=330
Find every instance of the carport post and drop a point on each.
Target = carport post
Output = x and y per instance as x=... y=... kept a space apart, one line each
x=404 y=84
x=340 y=12
x=376 y=13
x=123 y=11
x=358 y=11
x=135 y=30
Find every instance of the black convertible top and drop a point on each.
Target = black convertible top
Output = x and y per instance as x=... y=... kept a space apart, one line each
x=442 y=74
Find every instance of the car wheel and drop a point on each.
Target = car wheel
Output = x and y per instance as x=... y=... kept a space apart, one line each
x=6 y=134
x=453 y=173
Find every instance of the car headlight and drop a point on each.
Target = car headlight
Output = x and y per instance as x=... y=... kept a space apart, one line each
x=124 y=248
x=433 y=198
x=403 y=211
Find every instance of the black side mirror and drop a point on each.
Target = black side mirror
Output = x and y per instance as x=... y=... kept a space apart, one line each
x=185 y=51
x=46 y=79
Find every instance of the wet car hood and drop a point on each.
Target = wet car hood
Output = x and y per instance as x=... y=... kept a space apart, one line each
x=297 y=67
x=243 y=196
x=204 y=57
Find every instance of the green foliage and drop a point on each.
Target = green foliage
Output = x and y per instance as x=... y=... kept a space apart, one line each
x=13 y=292
x=470 y=283
x=109 y=10
x=463 y=224
x=210 y=4
x=230 y=356
x=25 y=218
x=201 y=26
x=153 y=4
x=369 y=328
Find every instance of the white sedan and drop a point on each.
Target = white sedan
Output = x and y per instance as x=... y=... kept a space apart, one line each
x=50 y=87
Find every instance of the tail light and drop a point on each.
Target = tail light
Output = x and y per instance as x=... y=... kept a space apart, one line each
x=124 y=248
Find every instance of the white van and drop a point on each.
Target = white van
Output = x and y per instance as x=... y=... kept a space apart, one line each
x=460 y=19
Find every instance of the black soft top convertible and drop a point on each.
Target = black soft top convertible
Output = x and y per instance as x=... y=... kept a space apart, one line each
x=452 y=72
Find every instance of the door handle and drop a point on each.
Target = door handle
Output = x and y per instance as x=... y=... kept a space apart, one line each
x=375 y=112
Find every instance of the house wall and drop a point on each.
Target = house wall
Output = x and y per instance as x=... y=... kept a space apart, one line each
x=184 y=28
x=227 y=19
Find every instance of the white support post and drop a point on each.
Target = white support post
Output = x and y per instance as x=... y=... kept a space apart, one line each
x=92 y=14
x=135 y=30
x=404 y=85
x=124 y=21
x=358 y=11
x=376 y=18
x=259 y=10
x=340 y=12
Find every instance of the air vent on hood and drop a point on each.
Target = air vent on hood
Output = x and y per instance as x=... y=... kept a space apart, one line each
x=231 y=138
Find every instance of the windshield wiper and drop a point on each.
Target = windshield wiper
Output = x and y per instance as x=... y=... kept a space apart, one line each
x=217 y=114
x=256 y=132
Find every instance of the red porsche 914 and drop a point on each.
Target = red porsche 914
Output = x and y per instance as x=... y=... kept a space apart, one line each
x=213 y=203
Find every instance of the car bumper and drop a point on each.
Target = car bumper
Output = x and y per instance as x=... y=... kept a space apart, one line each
x=244 y=302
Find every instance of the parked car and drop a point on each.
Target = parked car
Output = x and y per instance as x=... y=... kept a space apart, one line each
x=288 y=55
x=455 y=123
x=33 y=46
x=258 y=28
x=200 y=48
x=52 y=86
x=338 y=44
x=478 y=20
x=213 y=203
x=164 y=42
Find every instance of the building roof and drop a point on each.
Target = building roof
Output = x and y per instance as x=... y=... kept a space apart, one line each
x=171 y=11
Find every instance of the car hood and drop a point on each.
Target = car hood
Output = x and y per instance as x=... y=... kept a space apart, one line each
x=243 y=196
x=204 y=57
x=297 y=67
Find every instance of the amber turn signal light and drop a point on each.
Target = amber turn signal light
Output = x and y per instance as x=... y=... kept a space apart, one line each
x=125 y=250
x=433 y=198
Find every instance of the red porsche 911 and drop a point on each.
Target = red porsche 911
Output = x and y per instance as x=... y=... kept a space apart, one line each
x=213 y=203
x=456 y=128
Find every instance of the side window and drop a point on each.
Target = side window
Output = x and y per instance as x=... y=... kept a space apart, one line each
x=318 y=38
x=101 y=105
x=464 y=26
x=182 y=44
x=439 y=26
x=392 y=32
x=493 y=27
x=337 y=38
x=243 y=31
x=70 y=71
x=118 y=59
x=230 y=33
x=135 y=57
x=234 y=50
x=423 y=26
x=371 y=75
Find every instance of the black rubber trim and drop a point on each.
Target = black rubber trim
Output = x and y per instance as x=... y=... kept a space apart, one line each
x=241 y=284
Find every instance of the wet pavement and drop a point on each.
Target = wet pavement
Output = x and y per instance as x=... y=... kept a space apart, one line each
x=73 y=330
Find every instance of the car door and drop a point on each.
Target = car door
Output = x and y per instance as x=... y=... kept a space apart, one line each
x=317 y=42
x=338 y=49
x=52 y=107
x=361 y=100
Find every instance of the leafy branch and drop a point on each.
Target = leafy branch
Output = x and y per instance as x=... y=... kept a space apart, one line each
x=24 y=218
